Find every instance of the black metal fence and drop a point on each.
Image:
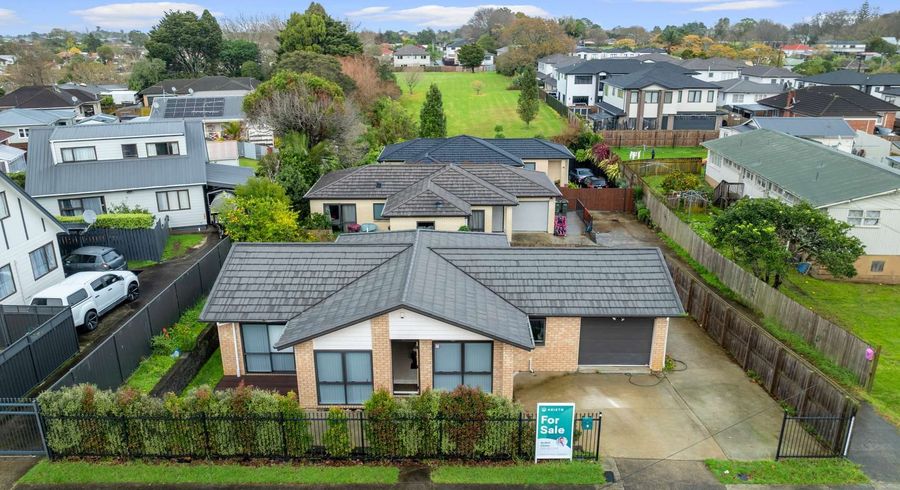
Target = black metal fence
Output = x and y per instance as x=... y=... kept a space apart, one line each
x=41 y=338
x=310 y=437
x=139 y=244
x=113 y=361
x=814 y=437
x=20 y=428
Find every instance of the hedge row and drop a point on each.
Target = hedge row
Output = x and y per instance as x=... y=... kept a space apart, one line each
x=130 y=221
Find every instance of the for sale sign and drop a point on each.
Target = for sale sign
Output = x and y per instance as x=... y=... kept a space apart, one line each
x=555 y=431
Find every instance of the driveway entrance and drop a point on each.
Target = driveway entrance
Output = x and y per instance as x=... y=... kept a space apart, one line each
x=711 y=409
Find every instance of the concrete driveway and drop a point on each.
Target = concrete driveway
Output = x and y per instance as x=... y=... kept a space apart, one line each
x=711 y=409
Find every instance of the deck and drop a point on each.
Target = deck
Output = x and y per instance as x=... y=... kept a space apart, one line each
x=282 y=383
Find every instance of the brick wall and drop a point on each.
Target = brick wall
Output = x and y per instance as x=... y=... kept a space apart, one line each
x=306 y=374
x=425 y=365
x=382 y=370
x=658 y=344
x=560 y=349
x=229 y=334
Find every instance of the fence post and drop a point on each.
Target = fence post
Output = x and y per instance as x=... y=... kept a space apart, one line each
x=284 y=444
x=206 y=434
x=362 y=432
x=599 y=421
x=125 y=435
x=38 y=417
x=440 y=447
x=781 y=436
x=519 y=445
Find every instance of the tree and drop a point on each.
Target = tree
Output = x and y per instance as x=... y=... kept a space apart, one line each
x=236 y=52
x=91 y=43
x=487 y=43
x=411 y=78
x=371 y=84
x=301 y=165
x=879 y=45
x=391 y=123
x=106 y=53
x=537 y=37
x=146 y=72
x=232 y=131
x=513 y=61
x=529 y=102
x=670 y=37
x=626 y=43
x=107 y=105
x=471 y=56
x=316 y=31
x=432 y=121
x=477 y=86
x=35 y=65
x=722 y=28
x=260 y=212
x=321 y=65
x=252 y=69
x=187 y=43
x=137 y=38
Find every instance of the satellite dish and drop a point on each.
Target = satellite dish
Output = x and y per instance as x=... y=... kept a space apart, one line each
x=191 y=91
x=89 y=216
x=173 y=90
x=74 y=99
x=156 y=105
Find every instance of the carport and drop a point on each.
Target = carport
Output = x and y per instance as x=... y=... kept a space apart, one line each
x=615 y=341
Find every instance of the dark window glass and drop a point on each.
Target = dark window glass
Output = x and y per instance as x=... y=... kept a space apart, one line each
x=260 y=355
x=129 y=151
x=343 y=377
x=538 y=330
x=466 y=363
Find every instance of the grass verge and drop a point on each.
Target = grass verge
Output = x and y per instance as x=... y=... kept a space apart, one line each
x=551 y=473
x=178 y=245
x=248 y=162
x=140 y=264
x=83 y=473
x=827 y=471
x=210 y=374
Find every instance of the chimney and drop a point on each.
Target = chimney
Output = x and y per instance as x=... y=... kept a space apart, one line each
x=791 y=98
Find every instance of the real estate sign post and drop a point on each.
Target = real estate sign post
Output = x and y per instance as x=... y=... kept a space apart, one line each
x=555 y=431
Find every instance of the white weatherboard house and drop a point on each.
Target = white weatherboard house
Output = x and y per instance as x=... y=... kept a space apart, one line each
x=849 y=188
x=159 y=166
x=29 y=255
x=20 y=122
x=411 y=55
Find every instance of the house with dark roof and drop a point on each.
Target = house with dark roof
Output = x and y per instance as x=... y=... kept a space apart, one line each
x=29 y=255
x=417 y=310
x=833 y=132
x=713 y=69
x=849 y=188
x=774 y=75
x=737 y=91
x=873 y=84
x=411 y=55
x=52 y=97
x=484 y=197
x=213 y=86
x=537 y=154
x=160 y=166
x=580 y=86
x=861 y=111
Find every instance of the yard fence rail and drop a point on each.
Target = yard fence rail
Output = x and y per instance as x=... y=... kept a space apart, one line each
x=139 y=244
x=648 y=167
x=313 y=436
x=113 y=361
x=834 y=342
x=657 y=137
x=42 y=338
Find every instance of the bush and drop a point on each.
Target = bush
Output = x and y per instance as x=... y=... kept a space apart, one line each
x=18 y=178
x=466 y=408
x=678 y=181
x=337 y=434
x=381 y=432
x=464 y=228
x=130 y=221
x=316 y=221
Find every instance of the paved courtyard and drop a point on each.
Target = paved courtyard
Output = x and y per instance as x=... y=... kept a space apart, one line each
x=711 y=409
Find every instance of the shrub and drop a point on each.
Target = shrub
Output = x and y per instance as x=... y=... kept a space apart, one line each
x=18 y=178
x=464 y=410
x=680 y=181
x=382 y=437
x=464 y=228
x=420 y=433
x=337 y=434
x=316 y=221
x=132 y=221
x=124 y=208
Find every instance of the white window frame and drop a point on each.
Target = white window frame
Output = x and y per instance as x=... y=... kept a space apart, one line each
x=71 y=152
x=48 y=255
x=172 y=146
x=24 y=132
x=864 y=218
x=178 y=195
x=695 y=96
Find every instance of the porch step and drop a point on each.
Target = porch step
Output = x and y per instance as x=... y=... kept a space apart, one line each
x=614 y=369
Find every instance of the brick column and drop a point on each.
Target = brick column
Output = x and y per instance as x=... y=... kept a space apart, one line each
x=382 y=369
x=504 y=369
x=658 y=345
x=426 y=366
x=232 y=359
x=305 y=361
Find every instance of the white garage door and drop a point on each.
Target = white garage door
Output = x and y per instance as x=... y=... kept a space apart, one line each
x=530 y=216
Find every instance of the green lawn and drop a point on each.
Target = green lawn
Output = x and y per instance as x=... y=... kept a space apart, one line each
x=83 y=473
x=663 y=152
x=834 y=471
x=871 y=311
x=248 y=162
x=210 y=374
x=176 y=246
x=476 y=115
x=552 y=473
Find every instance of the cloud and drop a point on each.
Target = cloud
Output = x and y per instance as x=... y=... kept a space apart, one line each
x=440 y=16
x=9 y=16
x=137 y=15
x=740 y=5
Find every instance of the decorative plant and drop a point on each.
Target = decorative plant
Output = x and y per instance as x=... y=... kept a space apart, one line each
x=337 y=434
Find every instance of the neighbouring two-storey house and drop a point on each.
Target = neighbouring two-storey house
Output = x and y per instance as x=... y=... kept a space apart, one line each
x=581 y=85
x=737 y=91
x=159 y=166
x=861 y=111
x=20 y=122
x=411 y=55
x=873 y=84
x=848 y=188
x=84 y=103
x=411 y=311
x=774 y=75
x=713 y=69
x=29 y=256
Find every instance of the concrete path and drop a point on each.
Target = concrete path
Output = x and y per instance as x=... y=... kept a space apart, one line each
x=13 y=467
x=876 y=447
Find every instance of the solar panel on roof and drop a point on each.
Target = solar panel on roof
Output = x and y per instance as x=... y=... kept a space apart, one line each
x=194 y=107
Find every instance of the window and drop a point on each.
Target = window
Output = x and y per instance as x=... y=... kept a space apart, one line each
x=160 y=149
x=529 y=165
x=633 y=97
x=343 y=377
x=377 y=209
x=76 y=297
x=497 y=217
x=424 y=225
x=259 y=354
x=695 y=95
x=129 y=151
x=476 y=221
x=43 y=260
x=173 y=200
x=858 y=217
x=584 y=79
x=4 y=206
x=877 y=266
x=77 y=207
x=679 y=96
x=341 y=215
x=463 y=363
x=709 y=74
x=737 y=98
x=580 y=99
x=667 y=98
x=651 y=97
x=648 y=123
x=23 y=132
x=82 y=154
x=538 y=330
x=710 y=95
x=7 y=283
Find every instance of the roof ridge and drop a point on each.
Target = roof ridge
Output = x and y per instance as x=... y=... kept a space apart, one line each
x=350 y=171
x=434 y=251
x=481 y=181
x=409 y=271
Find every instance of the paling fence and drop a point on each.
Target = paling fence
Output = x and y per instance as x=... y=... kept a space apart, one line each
x=604 y=199
x=139 y=244
x=40 y=339
x=657 y=137
x=113 y=361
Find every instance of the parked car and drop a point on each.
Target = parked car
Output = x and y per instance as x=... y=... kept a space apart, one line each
x=90 y=294
x=579 y=174
x=94 y=259
x=595 y=182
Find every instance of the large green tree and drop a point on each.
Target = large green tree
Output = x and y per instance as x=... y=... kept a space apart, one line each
x=236 y=52
x=314 y=30
x=432 y=121
x=321 y=65
x=146 y=72
x=390 y=123
x=187 y=43
x=529 y=96
x=471 y=56
x=91 y=42
x=260 y=211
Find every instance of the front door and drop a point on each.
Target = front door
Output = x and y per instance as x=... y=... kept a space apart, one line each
x=405 y=366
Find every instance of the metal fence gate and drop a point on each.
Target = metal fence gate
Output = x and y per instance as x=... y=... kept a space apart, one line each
x=815 y=437
x=21 y=432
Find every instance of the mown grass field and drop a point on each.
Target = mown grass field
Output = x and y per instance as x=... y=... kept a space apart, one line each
x=662 y=152
x=478 y=114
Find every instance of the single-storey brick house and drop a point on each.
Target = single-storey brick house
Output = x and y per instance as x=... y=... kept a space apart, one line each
x=416 y=310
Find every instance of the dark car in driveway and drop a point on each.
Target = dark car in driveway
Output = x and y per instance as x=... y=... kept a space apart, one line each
x=595 y=182
x=578 y=175
x=86 y=259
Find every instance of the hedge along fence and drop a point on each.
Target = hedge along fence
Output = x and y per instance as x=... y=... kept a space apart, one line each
x=127 y=221
x=82 y=421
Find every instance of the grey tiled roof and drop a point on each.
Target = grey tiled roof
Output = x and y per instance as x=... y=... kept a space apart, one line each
x=768 y=72
x=204 y=84
x=435 y=238
x=825 y=100
x=516 y=181
x=704 y=64
x=410 y=49
x=658 y=74
x=46 y=97
x=469 y=149
x=741 y=86
x=425 y=198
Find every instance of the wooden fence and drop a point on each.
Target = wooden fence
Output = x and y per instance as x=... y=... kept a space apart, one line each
x=836 y=343
x=607 y=199
x=657 y=137
x=646 y=167
x=784 y=374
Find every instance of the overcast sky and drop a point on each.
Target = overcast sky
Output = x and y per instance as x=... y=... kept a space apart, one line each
x=41 y=15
